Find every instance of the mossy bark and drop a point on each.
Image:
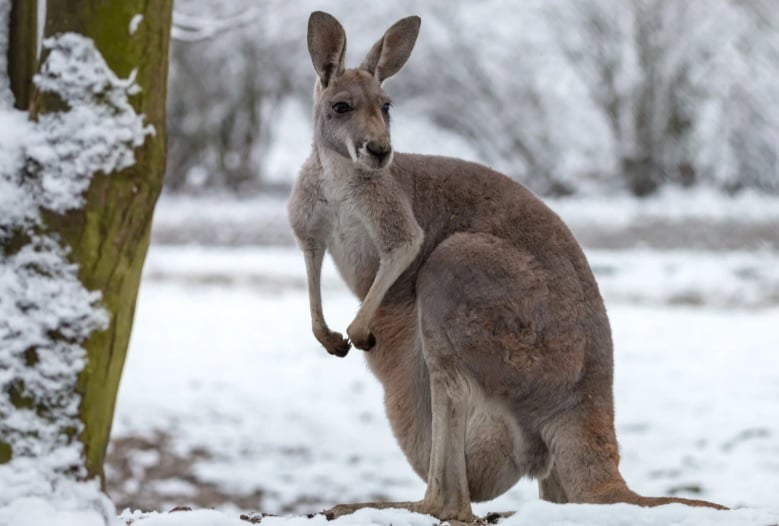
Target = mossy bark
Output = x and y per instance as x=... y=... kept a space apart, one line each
x=22 y=50
x=109 y=236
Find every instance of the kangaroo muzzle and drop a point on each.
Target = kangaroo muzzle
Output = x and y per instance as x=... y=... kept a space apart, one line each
x=375 y=154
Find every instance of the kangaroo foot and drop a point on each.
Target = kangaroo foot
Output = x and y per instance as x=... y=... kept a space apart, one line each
x=463 y=516
x=347 y=509
x=448 y=512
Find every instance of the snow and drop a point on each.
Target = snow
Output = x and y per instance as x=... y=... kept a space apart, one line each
x=682 y=277
x=366 y=517
x=6 y=97
x=16 y=202
x=40 y=294
x=639 y=276
x=76 y=504
x=536 y=513
x=543 y=513
x=135 y=23
x=99 y=132
x=222 y=361
x=48 y=165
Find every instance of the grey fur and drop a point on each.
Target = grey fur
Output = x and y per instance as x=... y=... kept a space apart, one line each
x=484 y=322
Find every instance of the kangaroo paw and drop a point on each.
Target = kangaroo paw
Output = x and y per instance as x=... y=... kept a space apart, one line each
x=334 y=343
x=361 y=337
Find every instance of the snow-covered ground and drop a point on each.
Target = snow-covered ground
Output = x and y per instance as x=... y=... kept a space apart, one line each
x=228 y=401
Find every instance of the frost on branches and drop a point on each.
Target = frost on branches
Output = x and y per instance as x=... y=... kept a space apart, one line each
x=46 y=314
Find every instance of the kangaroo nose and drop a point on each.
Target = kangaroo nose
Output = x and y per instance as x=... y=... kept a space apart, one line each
x=379 y=149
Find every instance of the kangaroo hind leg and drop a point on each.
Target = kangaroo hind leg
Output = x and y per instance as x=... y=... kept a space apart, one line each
x=584 y=447
x=551 y=489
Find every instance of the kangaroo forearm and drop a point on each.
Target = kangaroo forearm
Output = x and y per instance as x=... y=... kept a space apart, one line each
x=332 y=341
x=313 y=258
x=391 y=266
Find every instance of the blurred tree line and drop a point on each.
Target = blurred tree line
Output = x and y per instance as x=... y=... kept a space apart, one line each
x=567 y=96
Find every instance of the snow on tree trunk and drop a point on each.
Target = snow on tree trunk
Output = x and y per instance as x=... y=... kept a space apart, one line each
x=6 y=98
x=78 y=185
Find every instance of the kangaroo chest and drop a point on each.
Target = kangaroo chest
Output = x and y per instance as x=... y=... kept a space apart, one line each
x=352 y=249
x=348 y=240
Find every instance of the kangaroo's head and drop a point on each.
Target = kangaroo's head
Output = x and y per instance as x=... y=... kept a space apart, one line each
x=351 y=110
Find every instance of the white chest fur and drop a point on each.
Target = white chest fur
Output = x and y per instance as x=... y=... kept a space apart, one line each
x=352 y=250
x=349 y=242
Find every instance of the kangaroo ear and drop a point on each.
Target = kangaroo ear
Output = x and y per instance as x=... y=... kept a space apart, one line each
x=388 y=55
x=326 y=45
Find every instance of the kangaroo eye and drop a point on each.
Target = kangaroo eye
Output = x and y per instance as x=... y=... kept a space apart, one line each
x=386 y=107
x=341 y=107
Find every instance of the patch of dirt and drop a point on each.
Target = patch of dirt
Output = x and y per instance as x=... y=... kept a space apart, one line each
x=148 y=474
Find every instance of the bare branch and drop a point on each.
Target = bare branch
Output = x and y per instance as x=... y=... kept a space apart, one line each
x=188 y=28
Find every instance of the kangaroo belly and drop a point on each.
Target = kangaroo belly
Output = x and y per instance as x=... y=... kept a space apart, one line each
x=498 y=450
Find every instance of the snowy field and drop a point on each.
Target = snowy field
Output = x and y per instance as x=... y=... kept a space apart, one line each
x=227 y=400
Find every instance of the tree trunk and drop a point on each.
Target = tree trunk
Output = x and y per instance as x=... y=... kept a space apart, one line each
x=109 y=235
x=22 y=49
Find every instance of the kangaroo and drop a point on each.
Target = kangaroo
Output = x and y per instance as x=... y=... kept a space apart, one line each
x=484 y=322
